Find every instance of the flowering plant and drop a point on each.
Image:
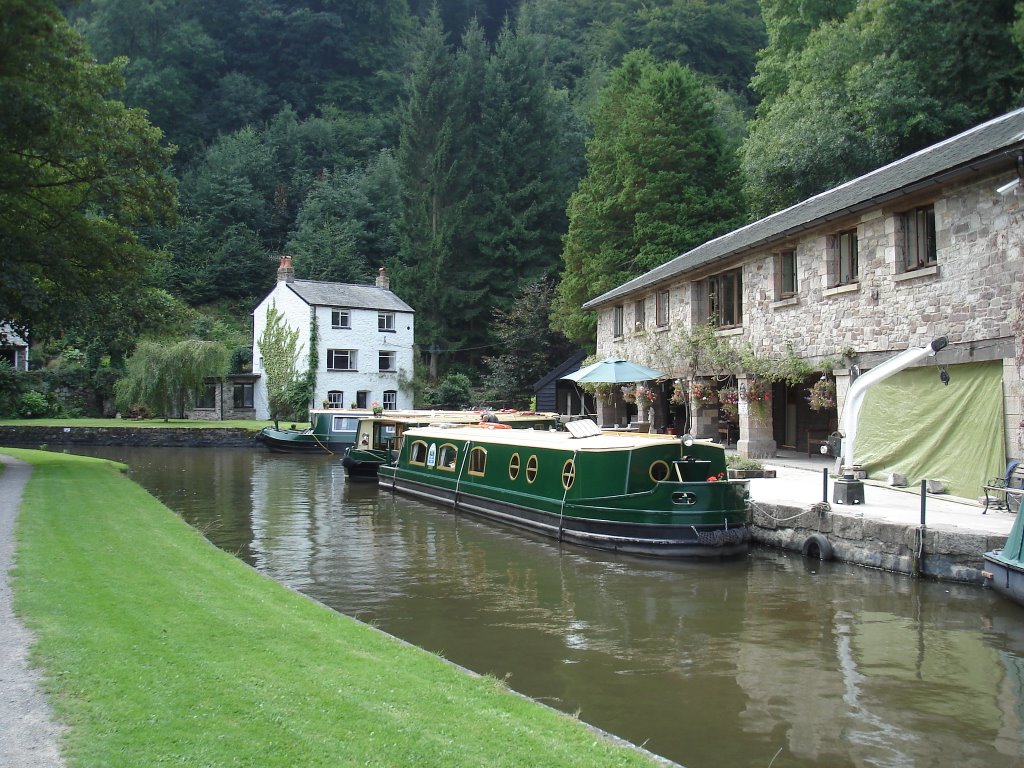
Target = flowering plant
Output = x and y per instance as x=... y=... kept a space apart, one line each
x=755 y=391
x=822 y=395
x=716 y=478
x=678 y=396
x=643 y=396
x=377 y=408
x=702 y=393
x=729 y=397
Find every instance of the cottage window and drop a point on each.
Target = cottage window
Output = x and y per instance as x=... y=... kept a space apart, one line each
x=390 y=401
x=785 y=274
x=386 y=361
x=209 y=397
x=844 y=265
x=639 y=315
x=242 y=396
x=362 y=398
x=918 y=238
x=478 y=461
x=725 y=299
x=617 y=320
x=661 y=309
x=386 y=322
x=335 y=399
x=341 y=318
x=341 y=359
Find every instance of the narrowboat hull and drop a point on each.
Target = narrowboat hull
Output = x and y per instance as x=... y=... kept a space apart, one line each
x=610 y=498
x=1005 y=576
x=331 y=431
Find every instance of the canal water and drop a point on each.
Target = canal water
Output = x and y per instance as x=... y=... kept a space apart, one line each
x=771 y=660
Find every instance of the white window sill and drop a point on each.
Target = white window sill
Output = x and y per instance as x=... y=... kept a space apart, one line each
x=839 y=290
x=791 y=301
x=914 y=274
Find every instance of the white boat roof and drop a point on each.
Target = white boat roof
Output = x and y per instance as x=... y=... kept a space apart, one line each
x=533 y=438
x=415 y=416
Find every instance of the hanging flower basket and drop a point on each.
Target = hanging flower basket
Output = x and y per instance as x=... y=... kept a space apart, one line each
x=678 y=396
x=629 y=394
x=643 y=397
x=755 y=391
x=703 y=394
x=822 y=395
x=729 y=400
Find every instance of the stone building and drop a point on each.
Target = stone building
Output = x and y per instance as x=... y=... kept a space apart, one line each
x=926 y=247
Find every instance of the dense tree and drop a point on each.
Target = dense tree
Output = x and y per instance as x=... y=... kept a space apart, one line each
x=166 y=377
x=279 y=349
x=79 y=174
x=660 y=181
x=856 y=91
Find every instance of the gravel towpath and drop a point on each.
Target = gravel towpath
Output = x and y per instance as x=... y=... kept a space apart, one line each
x=30 y=736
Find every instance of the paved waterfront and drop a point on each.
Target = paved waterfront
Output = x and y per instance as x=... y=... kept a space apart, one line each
x=29 y=737
x=799 y=484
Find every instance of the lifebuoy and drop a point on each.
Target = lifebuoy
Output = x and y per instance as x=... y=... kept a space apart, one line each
x=816 y=544
x=494 y=426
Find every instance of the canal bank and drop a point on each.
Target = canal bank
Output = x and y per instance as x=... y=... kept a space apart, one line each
x=21 y=436
x=796 y=511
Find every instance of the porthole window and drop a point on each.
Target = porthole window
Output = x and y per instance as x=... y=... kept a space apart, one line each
x=448 y=457
x=513 y=466
x=418 y=453
x=531 y=469
x=477 y=461
x=568 y=474
x=659 y=471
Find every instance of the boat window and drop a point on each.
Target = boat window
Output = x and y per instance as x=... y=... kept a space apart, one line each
x=477 y=461
x=531 y=469
x=659 y=471
x=418 y=453
x=568 y=474
x=344 y=424
x=448 y=456
x=513 y=466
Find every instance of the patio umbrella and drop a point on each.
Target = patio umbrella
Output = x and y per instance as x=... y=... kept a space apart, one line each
x=613 y=370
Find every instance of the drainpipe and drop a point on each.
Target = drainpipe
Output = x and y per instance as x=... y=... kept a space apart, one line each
x=855 y=398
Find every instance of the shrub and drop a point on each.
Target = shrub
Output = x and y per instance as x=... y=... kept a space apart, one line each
x=33 y=405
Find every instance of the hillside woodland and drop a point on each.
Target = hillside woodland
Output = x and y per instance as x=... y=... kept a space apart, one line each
x=505 y=160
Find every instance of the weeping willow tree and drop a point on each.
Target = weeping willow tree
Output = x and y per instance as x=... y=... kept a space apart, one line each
x=163 y=377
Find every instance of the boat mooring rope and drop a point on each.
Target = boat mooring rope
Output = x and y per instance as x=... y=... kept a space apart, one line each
x=565 y=493
x=329 y=451
x=819 y=509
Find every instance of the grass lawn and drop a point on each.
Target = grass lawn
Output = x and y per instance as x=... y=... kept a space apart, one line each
x=255 y=426
x=160 y=649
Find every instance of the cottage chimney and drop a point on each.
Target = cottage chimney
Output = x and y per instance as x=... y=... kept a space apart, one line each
x=285 y=272
x=383 y=281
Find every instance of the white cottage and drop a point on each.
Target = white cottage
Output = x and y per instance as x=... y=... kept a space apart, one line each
x=365 y=340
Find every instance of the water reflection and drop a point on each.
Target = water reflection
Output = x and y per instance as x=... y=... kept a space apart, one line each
x=720 y=664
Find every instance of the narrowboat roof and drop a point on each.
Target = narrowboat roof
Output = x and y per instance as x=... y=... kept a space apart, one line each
x=529 y=438
x=458 y=417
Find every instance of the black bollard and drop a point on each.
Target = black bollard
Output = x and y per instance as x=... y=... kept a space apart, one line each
x=824 y=484
x=924 y=498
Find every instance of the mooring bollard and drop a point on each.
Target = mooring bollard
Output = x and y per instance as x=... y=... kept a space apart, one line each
x=924 y=498
x=824 y=484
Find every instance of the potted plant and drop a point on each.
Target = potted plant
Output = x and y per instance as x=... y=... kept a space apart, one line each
x=378 y=409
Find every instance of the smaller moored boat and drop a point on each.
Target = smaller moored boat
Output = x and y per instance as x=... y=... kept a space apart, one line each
x=379 y=438
x=637 y=493
x=1004 y=568
x=330 y=431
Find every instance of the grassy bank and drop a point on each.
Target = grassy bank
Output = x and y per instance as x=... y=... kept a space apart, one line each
x=160 y=649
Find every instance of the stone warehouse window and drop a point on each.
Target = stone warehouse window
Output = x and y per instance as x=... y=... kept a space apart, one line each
x=661 y=309
x=724 y=299
x=209 y=397
x=915 y=239
x=843 y=261
x=341 y=318
x=639 y=315
x=386 y=361
x=390 y=401
x=386 y=322
x=341 y=359
x=242 y=396
x=617 y=320
x=785 y=274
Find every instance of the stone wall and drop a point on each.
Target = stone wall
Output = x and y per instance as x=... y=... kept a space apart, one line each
x=946 y=555
x=156 y=437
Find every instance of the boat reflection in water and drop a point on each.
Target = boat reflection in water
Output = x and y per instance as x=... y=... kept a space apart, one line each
x=719 y=663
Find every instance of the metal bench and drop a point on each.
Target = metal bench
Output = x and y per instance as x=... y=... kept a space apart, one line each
x=1005 y=492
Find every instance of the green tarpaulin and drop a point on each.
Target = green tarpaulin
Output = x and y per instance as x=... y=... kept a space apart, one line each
x=911 y=424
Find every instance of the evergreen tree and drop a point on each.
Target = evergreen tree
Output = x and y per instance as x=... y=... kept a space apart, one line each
x=660 y=181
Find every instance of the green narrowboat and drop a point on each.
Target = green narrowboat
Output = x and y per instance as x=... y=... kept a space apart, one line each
x=378 y=438
x=643 y=494
x=330 y=431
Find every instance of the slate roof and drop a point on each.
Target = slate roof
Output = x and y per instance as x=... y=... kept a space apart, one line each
x=986 y=145
x=321 y=294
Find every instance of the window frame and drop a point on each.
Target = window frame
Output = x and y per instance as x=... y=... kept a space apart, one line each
x=639 y=314
x=208 y=400
x=335 y=398
x=386 y=322
x=913 y=221
x=391 y=366
x=713 y=287
x=618 y=320
x=477 y=465
x=661 y=308
x=348 y=354
x=336 y=323
x=389 y=400
x=442 y=455
x=247 y=390
x=845 y=266
x=418 y=453
x=787 y=281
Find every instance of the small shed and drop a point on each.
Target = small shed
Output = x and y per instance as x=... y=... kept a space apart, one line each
x=557 y=396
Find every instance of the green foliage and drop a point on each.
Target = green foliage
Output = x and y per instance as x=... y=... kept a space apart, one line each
x=279 y=348
x=33 y=405
x=79 y=174
x=10 y=388
x=850 y=87
x=453 y=391
x=164 y=377
x=660 y=182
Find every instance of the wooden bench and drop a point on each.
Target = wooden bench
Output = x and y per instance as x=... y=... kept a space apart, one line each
x=1005 y=492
